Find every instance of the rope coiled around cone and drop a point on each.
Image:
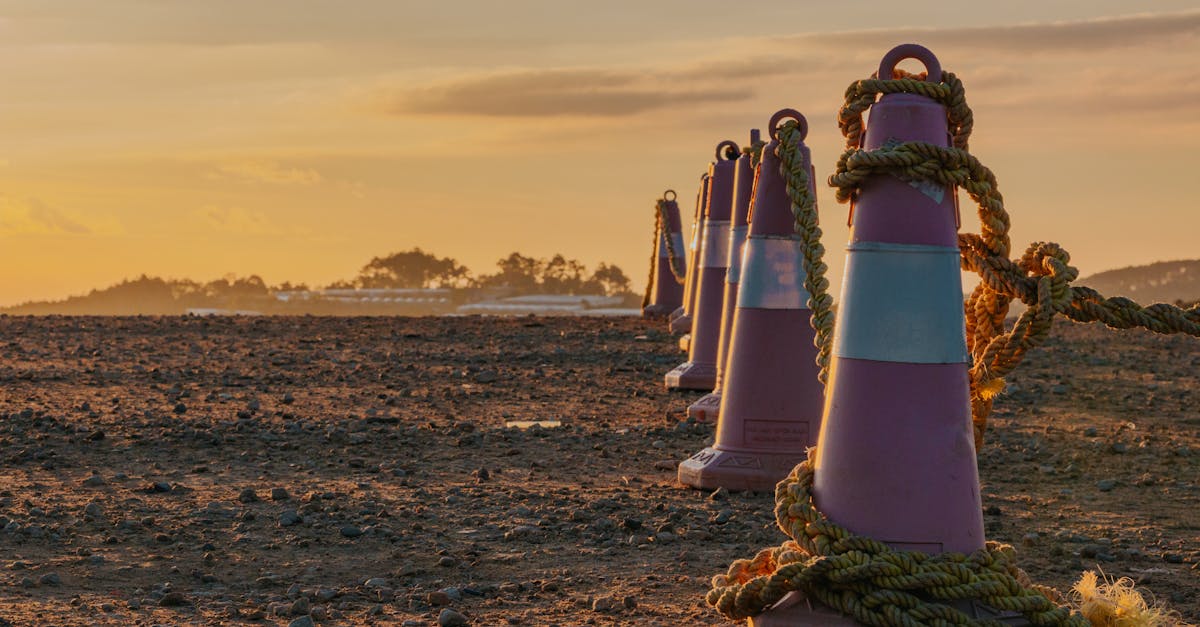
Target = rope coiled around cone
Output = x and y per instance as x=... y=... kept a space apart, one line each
x=795 y=171
x=871 y=582
x=1041 y=278
x=862 y=577
x=662 y=224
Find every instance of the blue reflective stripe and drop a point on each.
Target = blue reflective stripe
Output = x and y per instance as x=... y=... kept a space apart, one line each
x=772 y=274
x=676 y=240
x=737 y=237
x=714 y=250
x=902 y=303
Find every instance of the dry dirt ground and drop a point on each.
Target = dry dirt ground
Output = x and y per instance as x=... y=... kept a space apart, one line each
x=206 y=471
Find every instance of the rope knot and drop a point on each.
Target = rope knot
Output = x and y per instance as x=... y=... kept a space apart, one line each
x=868 y=580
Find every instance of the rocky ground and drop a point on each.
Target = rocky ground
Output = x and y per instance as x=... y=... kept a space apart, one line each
x=332 y=471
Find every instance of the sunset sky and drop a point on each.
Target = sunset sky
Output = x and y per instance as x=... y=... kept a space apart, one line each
x=296 y=139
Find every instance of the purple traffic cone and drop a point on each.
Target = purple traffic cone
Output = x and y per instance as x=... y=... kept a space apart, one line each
x=700 y=370
x=683 y=323
x=771 y=398
x=895 y=457
x=708 y=407
x=681 y=318
x=667 y=292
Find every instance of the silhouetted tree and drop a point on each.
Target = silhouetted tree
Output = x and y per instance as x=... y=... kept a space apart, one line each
x=558 y=275
x=412 y=269
x=562 y=276
x=516 y=271
x=610 y=279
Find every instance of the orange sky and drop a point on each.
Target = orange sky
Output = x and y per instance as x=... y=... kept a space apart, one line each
x=296 y=139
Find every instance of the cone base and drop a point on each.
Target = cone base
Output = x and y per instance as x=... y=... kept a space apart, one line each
x=795 y=610
x=685 y=343
x=692 y=376
x=655 y=312
x=707 y=409
x=713 y=468
x=682 y=324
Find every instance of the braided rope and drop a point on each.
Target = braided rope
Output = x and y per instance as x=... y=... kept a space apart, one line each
x=862 y=577
x=795 y=172
x=871 y=582
x=663 y=227
x=1041 y=278
x=661 y=230
x=755 y=152
x=650 y=280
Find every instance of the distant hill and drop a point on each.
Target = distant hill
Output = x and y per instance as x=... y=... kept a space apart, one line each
x=1162 y=282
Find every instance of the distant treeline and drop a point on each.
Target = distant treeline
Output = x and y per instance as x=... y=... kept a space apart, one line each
x=411 y=269
x=1162 y=282
x=558 y=275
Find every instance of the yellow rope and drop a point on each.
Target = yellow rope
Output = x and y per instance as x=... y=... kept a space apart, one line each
x=664 y=226
x=1041 y=278
x=755 y=152
x=662 y=229
x=862 y=577
x=804 y=207
x=871 y=582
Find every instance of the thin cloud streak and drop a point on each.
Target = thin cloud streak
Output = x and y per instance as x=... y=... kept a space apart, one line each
x=31 y=216
x=559 y=92
x=236 y=220
x=269 y=172
x=1105 y=33
x=747 y=65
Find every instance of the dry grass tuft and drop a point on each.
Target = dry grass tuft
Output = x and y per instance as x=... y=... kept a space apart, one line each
x=1117 y=603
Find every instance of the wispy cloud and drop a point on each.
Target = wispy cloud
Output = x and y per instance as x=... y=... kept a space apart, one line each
x=555 y=92
x=28 y=216
x=750 y=65
x=265 y=171
x=1080 y=35
x=236 y=220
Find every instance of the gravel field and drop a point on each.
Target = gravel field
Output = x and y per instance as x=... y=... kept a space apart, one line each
x=349 y=471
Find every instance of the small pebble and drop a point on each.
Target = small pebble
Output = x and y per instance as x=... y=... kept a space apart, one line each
x=451 y=618
x=300 y=607
x=603 y=604
x=172 y=599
